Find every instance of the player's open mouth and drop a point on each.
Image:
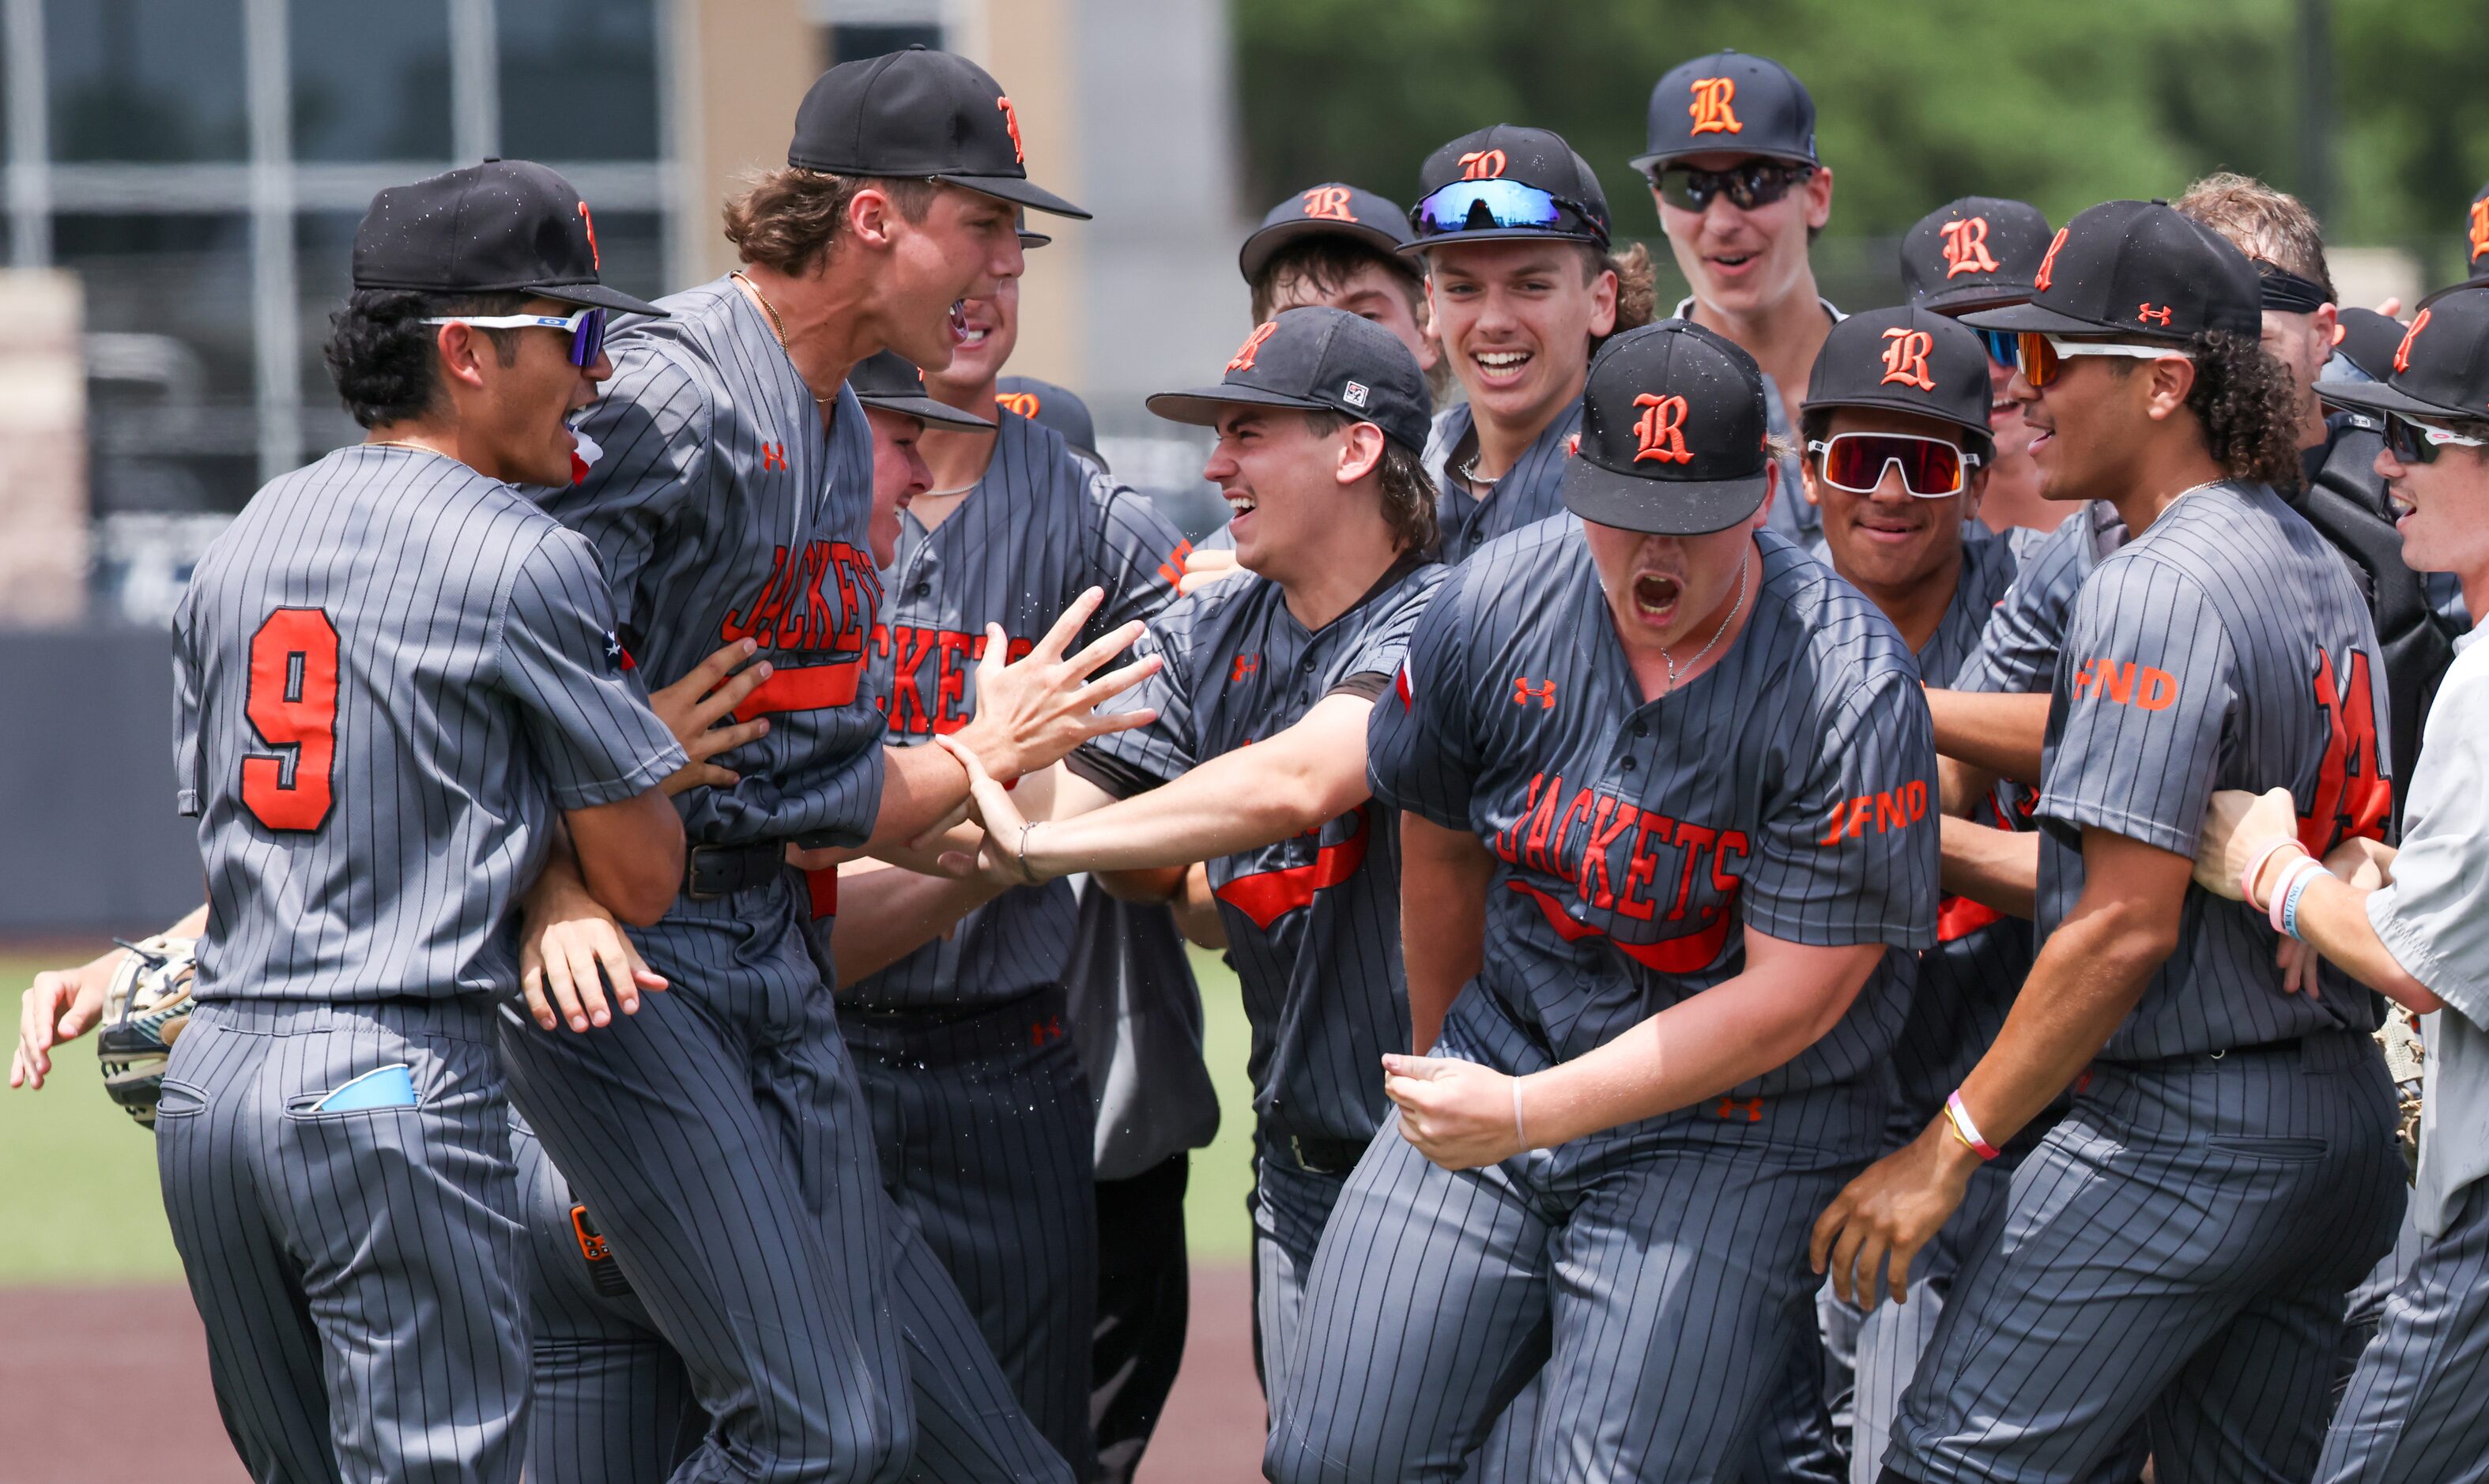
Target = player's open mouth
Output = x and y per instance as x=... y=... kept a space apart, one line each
x=2402 y=507
x=1500 y=365
x=1239 y=506
x=1733 y=262
x=1655 y=596
x=958 y=322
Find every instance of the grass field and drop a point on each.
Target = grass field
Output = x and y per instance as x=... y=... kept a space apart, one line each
x=82 y=1204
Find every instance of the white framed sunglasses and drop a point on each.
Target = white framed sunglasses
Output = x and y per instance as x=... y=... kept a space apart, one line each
x=2038 y=357
x=1931 y=467
x=586 y=328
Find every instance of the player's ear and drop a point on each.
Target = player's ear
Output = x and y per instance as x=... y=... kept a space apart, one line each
x=2167 y=381
x=1772 y=490
x=1806 y=477
x=462 y=350
x=1360 y=452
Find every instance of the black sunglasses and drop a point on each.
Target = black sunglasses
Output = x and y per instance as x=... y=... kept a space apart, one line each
x=1748 y=184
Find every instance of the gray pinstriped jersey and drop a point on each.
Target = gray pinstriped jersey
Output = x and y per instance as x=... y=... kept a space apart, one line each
x=2017 y=650
x=1789 y=789
x=1313 y=923
x=390 y=673
x=1967 y=982
x=1037 y=531
x=722 y=508
x=1529 y=492
x=2224 y=647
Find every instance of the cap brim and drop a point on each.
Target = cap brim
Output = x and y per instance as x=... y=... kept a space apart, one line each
x=1201 y=407
x=2379 y=397
x=1028 y=239
x=1661 y=507
x=1501 y=235
x=1916 y=409
x=1643 y=164
x=1971 y=298
x=938 y=413
x=594 y=295
x=2030 y=316
x=1018 y=193
x=1265 y=243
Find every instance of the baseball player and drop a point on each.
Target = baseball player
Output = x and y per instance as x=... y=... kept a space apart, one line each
x=981 y=1114
x=612 y=1402
x=1979 y=252
x=398 y=691
x=1741 y=193
x=1321 y=420
x=1665 y=791
x=720 y=1136
x=1340 y=246
x=2181 y=1243
x=2412 y=1410
x=1521 y=288
x=1134 y=1015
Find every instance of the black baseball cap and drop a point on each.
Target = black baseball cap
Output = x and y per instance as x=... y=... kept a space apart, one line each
x=1729 y=101
x=2369 y=340
x=1905 y=359
x=917 y=113
x=2440 y=370
x=1049 y=405
x=1329 y=210
x=2136 y=270
x=892 y=383
x=1537 y=158
x=1672 y=428
x=503 y=226
x=1979 y=252
x=1317 y=358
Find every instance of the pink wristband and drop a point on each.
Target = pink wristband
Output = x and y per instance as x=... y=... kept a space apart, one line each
x=2247 y=877
x=2281 y=889
x=1966 y=1130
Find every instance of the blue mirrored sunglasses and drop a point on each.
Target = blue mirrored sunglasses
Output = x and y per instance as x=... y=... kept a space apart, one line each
x=1481 y=206
x=586 y=328
x=2000 y=345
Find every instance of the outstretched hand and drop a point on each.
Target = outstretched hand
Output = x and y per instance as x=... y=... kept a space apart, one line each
x=692 y=707
x=61 y=1005
x=1000 y=859
x=1033 y=712
x=570 y=948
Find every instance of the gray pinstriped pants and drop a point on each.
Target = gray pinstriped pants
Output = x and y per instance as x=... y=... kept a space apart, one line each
x=357 y=1272
x=2418 y=1408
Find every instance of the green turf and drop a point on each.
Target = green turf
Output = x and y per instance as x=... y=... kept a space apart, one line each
x=1215 y=1225
x=84 y=1206
x=82 y=1203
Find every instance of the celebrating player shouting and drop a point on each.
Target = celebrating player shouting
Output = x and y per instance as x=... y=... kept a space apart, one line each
x=2182 y=1241
x=1320 y=420
x=1666 y=790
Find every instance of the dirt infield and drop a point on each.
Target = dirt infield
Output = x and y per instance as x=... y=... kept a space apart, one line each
x=112 y=1383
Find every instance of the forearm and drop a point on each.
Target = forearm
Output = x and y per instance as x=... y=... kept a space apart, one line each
x=1234 y=802
x=1997 y=869
x=2333 y=920
x=1700 y=1047
x=1999 y=734
x=2087 y=978
x=1443 y=877
x=1196 y=911
x=921 y=787
x=1959 y=786
x=886 y=913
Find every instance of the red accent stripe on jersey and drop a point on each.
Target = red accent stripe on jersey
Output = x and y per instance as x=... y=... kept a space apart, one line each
x=1408 y=692
x=823 y=887
x=628 y=663
x=1266 y=895
x=812 y=688
x=1959 y=917
x=1689 y=954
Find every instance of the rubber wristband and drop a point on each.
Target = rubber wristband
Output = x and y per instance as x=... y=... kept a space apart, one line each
x=2247 y=877
x=1966 y=1130
x=2290 y=904
x=2291 y=876
x=1518 y=1130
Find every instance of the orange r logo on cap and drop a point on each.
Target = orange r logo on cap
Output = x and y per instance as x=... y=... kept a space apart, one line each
x=1023 y=403
x=1243 y=359
x=2480 y=227
x=1659 y=433
x=1329 y=203
x=2048 y=264
x=1905 y=358
x=1710 y=109
x=1484 y=164
x=2402 y=351
x=1966 y=248
x=1010 y=121
x=596 y=259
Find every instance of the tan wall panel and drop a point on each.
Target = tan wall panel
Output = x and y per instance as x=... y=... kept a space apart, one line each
x=745 y=65
x=1027 y=46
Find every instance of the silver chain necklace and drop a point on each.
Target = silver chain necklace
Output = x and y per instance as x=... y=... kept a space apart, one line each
x=1743 y=563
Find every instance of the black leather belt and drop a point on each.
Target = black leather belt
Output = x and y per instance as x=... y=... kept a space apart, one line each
x=1322 y=1157
x=712 y=872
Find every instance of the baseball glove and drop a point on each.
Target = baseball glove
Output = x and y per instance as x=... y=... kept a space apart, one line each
x=2404 y=1055
x=144 y=1013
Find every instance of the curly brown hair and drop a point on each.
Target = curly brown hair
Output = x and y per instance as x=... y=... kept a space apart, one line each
x=2248 y=408
x=787 y=219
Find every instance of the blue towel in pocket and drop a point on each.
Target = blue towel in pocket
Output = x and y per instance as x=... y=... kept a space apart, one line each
x=381 y=1087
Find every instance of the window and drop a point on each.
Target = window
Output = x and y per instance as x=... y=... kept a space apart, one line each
x=579 y=81
x=146 y=79
x=371 y=80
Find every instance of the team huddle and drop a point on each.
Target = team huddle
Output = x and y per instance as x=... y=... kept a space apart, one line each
x=1816 y=895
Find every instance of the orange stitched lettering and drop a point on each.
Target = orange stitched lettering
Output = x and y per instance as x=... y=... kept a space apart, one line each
x=1710 y=106
x=1905 y=358
x=1659 y=433
x=1966 y=248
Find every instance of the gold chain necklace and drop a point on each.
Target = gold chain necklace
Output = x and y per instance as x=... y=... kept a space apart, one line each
x=777 y=327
